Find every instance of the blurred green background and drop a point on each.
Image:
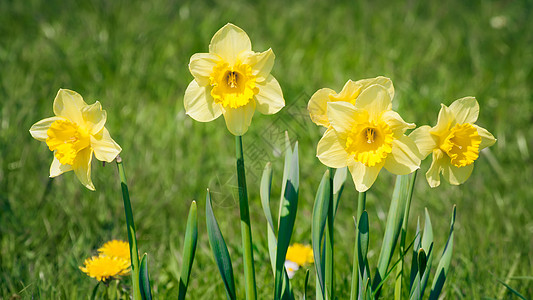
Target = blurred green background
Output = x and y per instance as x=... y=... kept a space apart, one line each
x=133 y=57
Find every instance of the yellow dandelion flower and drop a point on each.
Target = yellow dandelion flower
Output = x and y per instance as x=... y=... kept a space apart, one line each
x=74 y=134
x=299 y=254
x=318 y=104
x=105 y=267
x=116 y=248
x=233 y=81
x=366 y=137
x=455 y=142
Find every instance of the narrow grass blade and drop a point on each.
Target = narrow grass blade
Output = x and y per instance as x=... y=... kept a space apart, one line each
x=320 y=214
x=513 y=290
x=189 y=250
x=306 y=281
x=444 y=263
x=286 y=219
x=144 y=279
x=393 y=226
x=220 y=251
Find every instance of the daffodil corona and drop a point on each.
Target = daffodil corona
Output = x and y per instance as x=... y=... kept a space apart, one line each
x=367 y=136
x=233 y=81
x=74 y=134
x=455 y=142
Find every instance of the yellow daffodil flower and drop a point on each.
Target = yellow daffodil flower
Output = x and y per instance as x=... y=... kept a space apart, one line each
x=116 y=248
x=318 y=104
x=366 y=137
x=74 y=134
x=105 y=267
x=455 y=142
x=233 y=81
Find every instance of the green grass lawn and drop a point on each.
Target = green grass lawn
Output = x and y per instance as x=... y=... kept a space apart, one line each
x=133 y=57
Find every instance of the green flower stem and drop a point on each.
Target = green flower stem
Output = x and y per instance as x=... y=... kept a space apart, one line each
x=329 y=240
x=403 y=233
x=246 y=233
x=132 y=239
x=361 y=203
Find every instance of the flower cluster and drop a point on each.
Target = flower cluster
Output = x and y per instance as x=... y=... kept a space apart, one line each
x=366 y=135
x=113 y=260
x=297 y=256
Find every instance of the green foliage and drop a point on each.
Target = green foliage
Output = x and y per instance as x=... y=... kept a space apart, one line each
x=220 y=250
x=189 y=250
x=144 y=279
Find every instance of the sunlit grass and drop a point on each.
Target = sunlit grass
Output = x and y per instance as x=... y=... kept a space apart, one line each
x=133 y=58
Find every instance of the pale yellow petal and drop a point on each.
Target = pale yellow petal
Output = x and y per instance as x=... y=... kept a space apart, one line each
x=318 y=106
x=350 y=91
x=201 y=66
x=39 y=129
x=465 y=110
x=199 y=104
x=404 y=158
x=444 y=122
x=105 y=148
x=261 y=64
x=433 y=174
x=375 y=99
x=228 y=42
x=57 y=168
x=94 y=117
x=456 y=175
x=330 y=151
x=487 y=139
x=343 y=115
x=383 y=81
x=395 y=122
x=425 y=141
x=68 y=104
x=239 y=119
x=363 y=176
x=82 y=167
x=270 y=97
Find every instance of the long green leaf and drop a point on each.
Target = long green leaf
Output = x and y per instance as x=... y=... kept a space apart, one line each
x=393 y=226
x=444 y=263
x=220 y=251
x=266 y=183
x=305 y=284
x=338 y=186
x=286 y=219
x=427 y=245
x=189 y=250
x=320 y=214
x=144 y=279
